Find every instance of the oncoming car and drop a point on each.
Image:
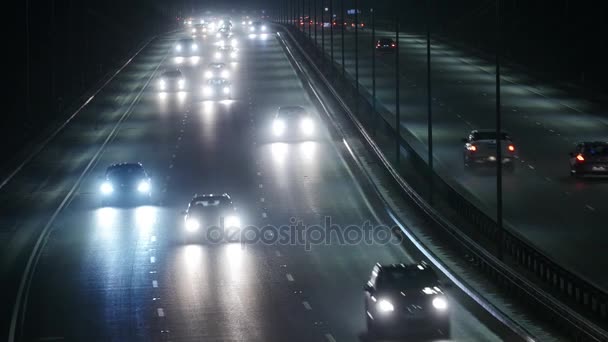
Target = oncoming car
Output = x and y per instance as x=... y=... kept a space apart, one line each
x=217 y=88
x=227 y=51
x=402 y=299
x=125 y=183
x=186 y=47
x=172 y=80
x=211 y=211
x=217 y=70
x=589 y=158
x=480 y=149
x=257 y=27
x=293 y=123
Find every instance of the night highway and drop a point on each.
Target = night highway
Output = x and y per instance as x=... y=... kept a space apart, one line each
x=191 y=171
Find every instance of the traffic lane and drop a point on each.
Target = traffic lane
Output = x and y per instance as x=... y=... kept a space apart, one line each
x=220 y=291
x=92 y=282
x=543 y=191
x=308 y=181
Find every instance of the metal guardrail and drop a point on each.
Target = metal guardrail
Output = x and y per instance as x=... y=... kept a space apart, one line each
x=556 y=293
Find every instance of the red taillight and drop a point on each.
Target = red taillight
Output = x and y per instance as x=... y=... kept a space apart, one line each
x=580 y=158
x=511 y=148
x=472 y=148
x=393 y=45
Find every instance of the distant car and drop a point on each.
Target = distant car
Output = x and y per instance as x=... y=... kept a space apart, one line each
x=402 y=299
x=210 y=211
x=217 y=70
x=225 y=52
x=199 y=29
x=589 y=158
x=172 y=80
x=386 y=45
x=186 y=47
x=293 y=123
x=258 y=27
x=216 y=88
x=125 y=183
x=480 y=149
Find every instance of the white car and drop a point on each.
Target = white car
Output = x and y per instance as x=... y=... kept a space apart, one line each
x=217 y=70
x=293 y=123
x=172 y=80
x=216 y=88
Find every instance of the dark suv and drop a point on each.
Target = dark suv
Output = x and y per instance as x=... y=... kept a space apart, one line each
x=589 y=158
x=403 y=299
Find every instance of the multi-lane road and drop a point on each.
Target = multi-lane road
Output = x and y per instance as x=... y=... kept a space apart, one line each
x=120 y=273
x=564 y=216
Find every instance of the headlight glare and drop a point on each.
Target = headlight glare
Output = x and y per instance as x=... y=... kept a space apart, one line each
x=307 y=126
x=385 y=306
x=192 y=224
x=440 y=303
x=106 y=188
x=232 y=222
x=278 y=127
x=144 y=186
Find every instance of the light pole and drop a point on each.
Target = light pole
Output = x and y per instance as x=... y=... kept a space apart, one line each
x=499 y=218
x=429 y=102
x=373 y=45
x=397 y=108
x=342 y=33
x=357 y=46
x=331 y=30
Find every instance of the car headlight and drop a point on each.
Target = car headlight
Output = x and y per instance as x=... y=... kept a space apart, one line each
x=233 y=42
x=178 y=47
x=307 y=126
x=225 y=74
x=144 y=186
x=278 y=127
x=218 y=35
x=226 y=90
x=218 y=55
x=252 y=29
x=192 y=224
x=208 y=74
x=440 y=303
x=233 y=54
x=194 y=47
x=193 y=30
x=162 y=84
x=106 y=188
x=207 y=90
x=263 y=28
x=385 y=306
x=232 y=222
x=242 y=22
x=181 y=84
x=249 y=22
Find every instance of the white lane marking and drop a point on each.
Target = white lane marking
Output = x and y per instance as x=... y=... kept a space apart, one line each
x=264 y=215
x=152 y=259
x=153 y=238
x=261 y=186
x=154 y=283
x=590 y=207
x=278 y=253
x=306 y=305
x=259 y=173
x=548 y=179
x=179 y=138
x=160 y=312
x=330 y=338
x=261 y=199
x=289 y=277
x=173 y=156
x=531 y=167
x=171 y=166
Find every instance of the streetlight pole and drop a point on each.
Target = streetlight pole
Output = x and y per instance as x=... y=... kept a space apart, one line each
x=309 y=19
x=357 y=46
x=316 y=21
x=499 y=217
x=429 y=102
x=331 y=30
x=397 y=108
x=342 y=32
x=323 y=29
x=373 y=45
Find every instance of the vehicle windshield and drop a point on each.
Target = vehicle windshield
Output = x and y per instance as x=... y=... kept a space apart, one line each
x=487 y=135
x=406 y=279
x=597 y=150
x=172 y=74
x=125 y=172
x=216 y=65
x=217 y=81
x=204 y=203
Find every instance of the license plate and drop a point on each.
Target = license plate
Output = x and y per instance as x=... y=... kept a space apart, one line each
x=598 y=168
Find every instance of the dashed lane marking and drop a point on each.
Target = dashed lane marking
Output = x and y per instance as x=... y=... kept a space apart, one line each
x=307 y=305
x=289 y=277
x=330 y=338
x=152 y=259
x=590 y=207
x=154 y=283
x=160 y=312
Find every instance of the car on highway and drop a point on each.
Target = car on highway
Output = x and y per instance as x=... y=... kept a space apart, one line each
x=403 y=299
x=125 y=183
x=258 y=27
x=386 y=45
x=480 y=149
x=215 y=70
x=589 y=158
x=186 y=47
x=226 y=52
x=172 y=80
x=293 y=123
x=217 y=88
x=210 y=211
x=198 y=30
